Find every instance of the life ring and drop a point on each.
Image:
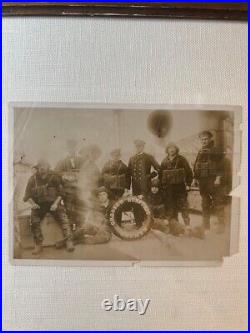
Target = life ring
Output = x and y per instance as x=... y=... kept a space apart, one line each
x=130 y=218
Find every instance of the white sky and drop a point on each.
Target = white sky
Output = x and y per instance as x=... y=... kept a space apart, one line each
x=44 y=132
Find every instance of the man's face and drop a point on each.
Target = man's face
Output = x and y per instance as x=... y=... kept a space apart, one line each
x=43 y=171
x=172 y=151
x=71 y=151
x=205 y=140
x=116 y=156
x=139 y=148
x=103 y=197
x=154 y=189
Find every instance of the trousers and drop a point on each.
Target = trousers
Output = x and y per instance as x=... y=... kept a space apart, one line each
x=212 y=200
x=59 y=215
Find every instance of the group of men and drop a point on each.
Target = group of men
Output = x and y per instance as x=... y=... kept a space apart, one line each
x=163 y=186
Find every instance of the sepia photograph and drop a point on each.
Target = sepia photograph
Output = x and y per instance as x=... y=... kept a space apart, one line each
x=124 y=183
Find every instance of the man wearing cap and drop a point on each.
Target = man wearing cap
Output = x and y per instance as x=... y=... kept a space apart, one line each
x=115 y=175
x=176 y=177
x=208 y=171
x=139 y=168
x=69 y=168
x=44 y=193
x=72 y=161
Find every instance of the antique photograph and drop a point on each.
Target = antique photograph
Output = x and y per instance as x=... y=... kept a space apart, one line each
x=124 y=182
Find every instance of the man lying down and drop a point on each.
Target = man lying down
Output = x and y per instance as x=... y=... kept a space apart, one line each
x=96 y=228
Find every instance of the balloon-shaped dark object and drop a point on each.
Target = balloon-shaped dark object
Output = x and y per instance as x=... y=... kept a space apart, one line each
x=159 y=123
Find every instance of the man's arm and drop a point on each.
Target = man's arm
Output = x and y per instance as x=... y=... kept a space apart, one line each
x=129 y=175
x=55 y=204
x=58 y=183
x=105 y=169
x=28 y=190
x=161 y=171
x=188 y=172
x=128 y=178
x=154 y=163
x=29 y=193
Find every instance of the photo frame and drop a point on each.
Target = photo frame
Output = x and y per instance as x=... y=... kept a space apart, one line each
x=69 y=55
x=179 y=10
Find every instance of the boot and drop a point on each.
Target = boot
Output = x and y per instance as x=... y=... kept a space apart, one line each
x=70 y=245
x=38 y=249
x=60 y=244
x=198 y=232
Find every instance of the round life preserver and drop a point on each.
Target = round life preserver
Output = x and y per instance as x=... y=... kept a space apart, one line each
x=130 y=218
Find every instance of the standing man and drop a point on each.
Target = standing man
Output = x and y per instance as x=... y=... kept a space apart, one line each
x=44 y=193
x=115 y=175
x=208 y=171
x=69 y=169
x=139 y=168
x=72 y=161
x=176 y=177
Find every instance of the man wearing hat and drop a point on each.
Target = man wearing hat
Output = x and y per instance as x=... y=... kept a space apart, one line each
x=95 y=228
x=44 y=193
x=115 y=175
x=69 y=168
x=208 y=171
x=139 y=168
x=176 y=177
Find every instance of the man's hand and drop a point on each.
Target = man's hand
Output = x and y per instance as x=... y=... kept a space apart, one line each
x=217 y=181
x=54 y=207
x=195 y=183
x=188 y=188
x=126 y=193
x=55 y=204
x=153 y=174
x=140 y=196
x=35 y=206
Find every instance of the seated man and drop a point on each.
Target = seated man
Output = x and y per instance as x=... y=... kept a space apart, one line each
x=156 y=203
x=44 y=193
x=95 y=228
x=155 y=200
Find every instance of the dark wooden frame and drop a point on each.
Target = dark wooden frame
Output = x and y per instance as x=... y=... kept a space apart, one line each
x=192 y=10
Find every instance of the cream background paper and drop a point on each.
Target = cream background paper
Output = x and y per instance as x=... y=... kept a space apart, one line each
x=125 y=61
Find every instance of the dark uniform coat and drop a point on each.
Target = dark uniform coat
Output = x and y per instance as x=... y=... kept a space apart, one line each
x=69 y=164
x=119 y=180
x=139 y=167
x=208 y=165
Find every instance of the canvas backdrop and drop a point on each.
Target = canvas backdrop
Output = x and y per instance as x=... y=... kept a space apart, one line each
x=104 y=60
